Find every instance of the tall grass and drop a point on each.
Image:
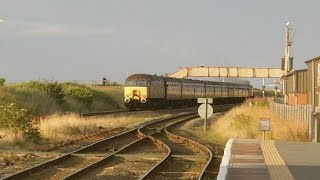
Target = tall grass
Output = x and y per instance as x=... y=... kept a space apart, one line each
x=34 y=97
x=38 y=102
x=61 y=128
x=45 y=98
x=9 y=139
x=243 y=122
x=70 y=126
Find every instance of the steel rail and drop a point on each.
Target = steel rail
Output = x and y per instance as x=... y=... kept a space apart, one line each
x=169 y=150
x=201 y=147
x=90 y=114
x=86 y=169
x=180 y=138
x=57 y=160
x=102 y=113
x=46 y=164
x=49 y=163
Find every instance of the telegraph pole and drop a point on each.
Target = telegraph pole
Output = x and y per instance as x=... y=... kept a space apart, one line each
x=288 y=60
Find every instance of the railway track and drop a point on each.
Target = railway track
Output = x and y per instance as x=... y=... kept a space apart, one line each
x=126 y=111
x=98 y=159
x=103 y=113
x=187 y=159
x=77 y=162
x=134 y=111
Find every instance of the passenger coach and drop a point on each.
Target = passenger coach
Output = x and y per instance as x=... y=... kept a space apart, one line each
x=151 y=91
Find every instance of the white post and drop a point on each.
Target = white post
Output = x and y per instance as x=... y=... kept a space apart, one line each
x=313 y=103
x=263 y=87
x=205 y=119
x=287 y=58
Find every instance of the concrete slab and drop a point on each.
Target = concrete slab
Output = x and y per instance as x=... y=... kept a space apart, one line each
x=238 y=156
x=302 y=158
x=247 y=161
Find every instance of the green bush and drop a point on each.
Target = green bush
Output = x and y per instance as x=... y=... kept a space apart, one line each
x=18 y=120
x=2 y=81
x=53 y=89
x=79 y=92
x=45 y=97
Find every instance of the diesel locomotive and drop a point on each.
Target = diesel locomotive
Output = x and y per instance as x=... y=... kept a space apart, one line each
x=144 y=91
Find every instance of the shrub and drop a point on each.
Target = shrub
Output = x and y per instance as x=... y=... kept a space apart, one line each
x=2 y=81
x=53 y=89
x=18 y=121
x=79 y=92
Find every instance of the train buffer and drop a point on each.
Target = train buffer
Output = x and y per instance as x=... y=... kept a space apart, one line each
x=258 y=159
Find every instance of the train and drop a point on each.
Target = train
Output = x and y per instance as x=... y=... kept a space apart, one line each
x=145 y=91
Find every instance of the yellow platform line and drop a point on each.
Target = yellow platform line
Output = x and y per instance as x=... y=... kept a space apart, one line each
x=277 y=168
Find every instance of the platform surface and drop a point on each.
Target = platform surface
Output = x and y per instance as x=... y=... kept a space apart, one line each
x=247 y=161
x=287 y=160
x=302 y=158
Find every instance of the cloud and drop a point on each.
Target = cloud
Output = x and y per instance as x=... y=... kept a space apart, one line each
x=65 y=30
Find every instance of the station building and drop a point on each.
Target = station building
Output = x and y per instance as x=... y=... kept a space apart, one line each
x=302 y=87
x=295 y=87
x=313 y=83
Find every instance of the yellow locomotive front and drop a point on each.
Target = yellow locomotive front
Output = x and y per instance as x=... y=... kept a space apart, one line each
x=136 y=91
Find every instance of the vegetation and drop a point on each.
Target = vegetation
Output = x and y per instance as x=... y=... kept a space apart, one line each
x=18 y=121
x=2 y=81
x=243 y=122
x=57 y=128
x=45 y=98
x=259 y=93
x=20 y=103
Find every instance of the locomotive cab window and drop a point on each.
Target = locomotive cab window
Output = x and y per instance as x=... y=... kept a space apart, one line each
x=136 y=83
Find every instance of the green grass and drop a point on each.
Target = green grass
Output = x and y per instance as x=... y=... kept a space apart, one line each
x=19 y=103
x=42 y=98
x=36 y=101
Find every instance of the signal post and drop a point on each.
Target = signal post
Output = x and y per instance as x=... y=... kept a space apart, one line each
x=205 y=110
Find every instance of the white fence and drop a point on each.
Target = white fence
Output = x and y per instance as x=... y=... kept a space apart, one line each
x=302 y=113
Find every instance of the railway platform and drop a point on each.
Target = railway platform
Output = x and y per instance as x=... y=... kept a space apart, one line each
x=257 y=159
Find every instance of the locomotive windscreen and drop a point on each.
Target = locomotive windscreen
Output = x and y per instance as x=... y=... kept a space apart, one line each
x=136 y=82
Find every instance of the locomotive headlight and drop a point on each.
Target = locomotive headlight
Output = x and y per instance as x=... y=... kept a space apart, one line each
x=143 y=100
x=144 y=95
x=126 y=100
x=127 y=95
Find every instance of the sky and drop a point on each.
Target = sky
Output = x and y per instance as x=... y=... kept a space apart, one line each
x=85 y=40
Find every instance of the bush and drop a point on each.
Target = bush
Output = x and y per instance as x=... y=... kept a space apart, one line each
x=18 y=121
x=2 y=81
x=79 y=92
x=53 y=89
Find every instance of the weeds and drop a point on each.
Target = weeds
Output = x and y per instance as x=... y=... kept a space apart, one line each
x=45 y=98
x=59 y=128
x=243 y=122
x=18 y=121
